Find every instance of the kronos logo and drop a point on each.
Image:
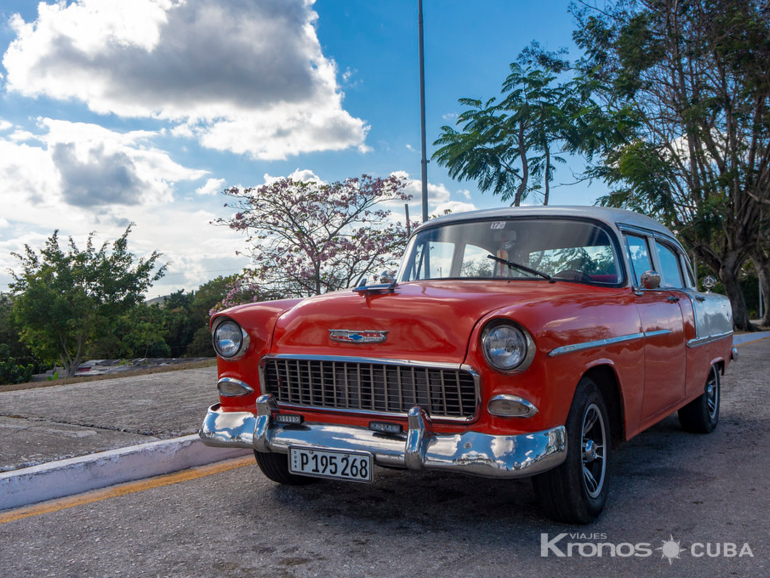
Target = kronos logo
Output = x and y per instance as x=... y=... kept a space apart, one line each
x=598 y=547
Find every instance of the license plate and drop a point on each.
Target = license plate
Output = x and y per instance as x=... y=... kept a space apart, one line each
x=338 y=465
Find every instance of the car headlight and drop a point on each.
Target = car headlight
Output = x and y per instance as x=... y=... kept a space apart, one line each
x=228 y=339
x=507 y=347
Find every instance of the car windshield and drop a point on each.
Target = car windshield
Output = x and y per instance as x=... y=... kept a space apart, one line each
x=561 y=249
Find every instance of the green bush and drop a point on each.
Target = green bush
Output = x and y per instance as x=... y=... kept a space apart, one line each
x=10 y=371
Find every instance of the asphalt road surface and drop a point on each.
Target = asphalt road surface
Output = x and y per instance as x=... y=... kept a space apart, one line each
x=680 y=505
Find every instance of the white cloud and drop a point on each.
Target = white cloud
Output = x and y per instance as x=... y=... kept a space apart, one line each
x=100 y=167
x=347 y=77
x=5 y=125
x=465 y=193
x=21 y=136
x=304 y=175
x=211 y=187
x=242 y=76
x=82 y=178
x=27 y=176
x=449 y=116
x=439 y=198
x=84 y=166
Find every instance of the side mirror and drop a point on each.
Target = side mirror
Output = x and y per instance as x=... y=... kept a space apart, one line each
x=387 y=277
x=709 y=283
x=650 y=280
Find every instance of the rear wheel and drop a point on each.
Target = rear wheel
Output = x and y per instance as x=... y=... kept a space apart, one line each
x=576 y=491
x=276 y=468
x=702 y=414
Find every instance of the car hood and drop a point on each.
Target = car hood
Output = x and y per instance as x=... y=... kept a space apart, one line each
x=425 y=321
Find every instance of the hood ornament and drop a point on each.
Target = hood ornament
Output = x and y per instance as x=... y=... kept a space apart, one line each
x=362 y=336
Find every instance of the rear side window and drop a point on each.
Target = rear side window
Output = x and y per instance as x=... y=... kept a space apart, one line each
x=671 y=275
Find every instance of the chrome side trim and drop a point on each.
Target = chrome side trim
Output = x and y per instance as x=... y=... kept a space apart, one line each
x=655 y=333
x=604 y=342
x=470 y=452
x=708 y=339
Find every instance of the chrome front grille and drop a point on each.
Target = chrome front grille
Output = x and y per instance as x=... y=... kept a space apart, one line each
x=371 y=386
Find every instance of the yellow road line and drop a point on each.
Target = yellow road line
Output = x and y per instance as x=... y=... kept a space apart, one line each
x=123 y=489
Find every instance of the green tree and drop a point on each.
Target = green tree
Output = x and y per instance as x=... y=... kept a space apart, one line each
x=66 y=298
x=145 y=332
x=510 y=146
x=10 y=371
x=179 y=321
x=9 y=332
x=686 y=85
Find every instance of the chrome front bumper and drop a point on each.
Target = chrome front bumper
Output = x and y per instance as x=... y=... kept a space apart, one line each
x=418 y=448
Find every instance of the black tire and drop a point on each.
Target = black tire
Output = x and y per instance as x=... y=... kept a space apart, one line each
x=276 y=468
x=701 y=415
x=576 y=491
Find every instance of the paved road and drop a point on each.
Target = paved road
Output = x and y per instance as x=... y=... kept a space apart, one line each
x=701 y=491
x=46 y=424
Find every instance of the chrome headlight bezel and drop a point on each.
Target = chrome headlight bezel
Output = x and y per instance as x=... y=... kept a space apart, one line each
x=221 y=325
x=524 y=338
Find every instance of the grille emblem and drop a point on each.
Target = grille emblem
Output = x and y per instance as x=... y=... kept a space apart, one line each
x=363 y=336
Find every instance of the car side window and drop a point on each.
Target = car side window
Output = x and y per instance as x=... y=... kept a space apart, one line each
x=639 y=255
x=689 y=280
x=671 y=275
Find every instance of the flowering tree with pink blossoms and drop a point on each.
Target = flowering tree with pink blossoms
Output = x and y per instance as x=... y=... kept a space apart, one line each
x=307 y=238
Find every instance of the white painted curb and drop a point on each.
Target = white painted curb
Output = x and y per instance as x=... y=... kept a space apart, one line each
x=77 y=475
x=749 y=337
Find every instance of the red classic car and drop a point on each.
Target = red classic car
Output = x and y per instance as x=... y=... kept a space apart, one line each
x=521 y=342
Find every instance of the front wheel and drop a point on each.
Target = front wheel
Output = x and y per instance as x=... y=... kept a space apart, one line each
x=701 y=415
x=576 y=491
x=276 y=468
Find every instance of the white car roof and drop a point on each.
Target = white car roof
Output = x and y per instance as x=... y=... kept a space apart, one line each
x=616 y=218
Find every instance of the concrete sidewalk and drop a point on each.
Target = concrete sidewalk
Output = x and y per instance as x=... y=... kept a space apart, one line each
x=54 y=423
x=63 y=440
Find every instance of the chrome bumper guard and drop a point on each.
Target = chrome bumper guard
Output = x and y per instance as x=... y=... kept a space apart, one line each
x=418 y=448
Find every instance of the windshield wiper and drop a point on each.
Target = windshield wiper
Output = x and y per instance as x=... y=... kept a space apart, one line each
x=513 y=265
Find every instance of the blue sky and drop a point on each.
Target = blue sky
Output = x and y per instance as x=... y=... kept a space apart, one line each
x=114 y=111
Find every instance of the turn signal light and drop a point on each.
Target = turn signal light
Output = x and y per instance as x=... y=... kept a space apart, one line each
x=511 y=406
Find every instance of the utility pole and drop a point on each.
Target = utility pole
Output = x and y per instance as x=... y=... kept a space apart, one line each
x=424 y=174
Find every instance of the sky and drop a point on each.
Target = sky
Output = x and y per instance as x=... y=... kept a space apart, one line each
x=116 y=112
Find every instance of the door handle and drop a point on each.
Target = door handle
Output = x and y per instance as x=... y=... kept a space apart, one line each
x=672 y=299
x=701 y=299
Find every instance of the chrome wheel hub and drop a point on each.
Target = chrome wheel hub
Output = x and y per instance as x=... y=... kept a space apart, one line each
x=712 y=394
x=589 y=451
x=594 y=443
